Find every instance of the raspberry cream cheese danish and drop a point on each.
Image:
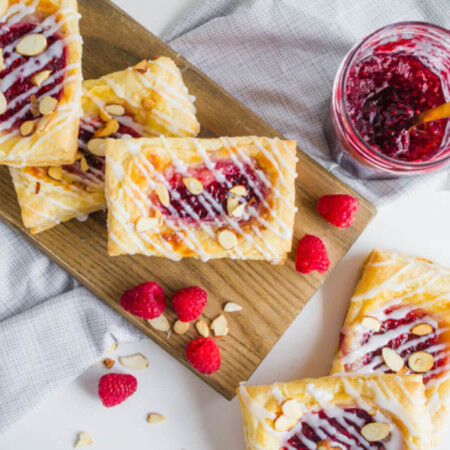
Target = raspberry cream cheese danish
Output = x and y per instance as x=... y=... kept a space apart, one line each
x=40 y=82
x=372 y=412
x=201 y=198
x=399 y=322
x=145 y=100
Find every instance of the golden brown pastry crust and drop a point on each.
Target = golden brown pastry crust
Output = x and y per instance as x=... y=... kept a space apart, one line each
x=59 y=201
x=398 y=400
x=56 y=143
x=390 y=279
x=135 y=167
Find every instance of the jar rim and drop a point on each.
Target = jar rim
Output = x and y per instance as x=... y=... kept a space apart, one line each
x=365 y=150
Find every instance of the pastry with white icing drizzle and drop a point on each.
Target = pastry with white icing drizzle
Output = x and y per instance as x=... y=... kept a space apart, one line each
x=40 y=82
x=146 y=100
x=399 y=322
x=207 y=198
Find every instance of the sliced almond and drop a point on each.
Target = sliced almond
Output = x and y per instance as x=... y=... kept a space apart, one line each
x=194 y=186
x=163 y=194
x=232 y=307
x=4 y=5
x=181 y=327
x=97 y=147
x=27 y=128
x=285 y=423
x=134 y=362
x=108 y=363
x=2 y=62
x=160 y=323
x=376 y=431
x=227 y=239
x=84 y=164
x=293 y=409
x=84 y=439
x=47 y=105
x=232 y=204
x=39 y=78
x=155 y=418
x=112 y=349
x=3 y=103
x=115 y=110
x=34 y=104
x=38 y=188
x=32 y=45
x=240 y=191
x=109 y=128
x=147 y=103
x=141 y=67
x=371 y=323
x=202 y=328
x=104 y=116
x=324 y=445
x=44 y=123
x=55 y=172
x=220 y=326
x=422 y=329
x=421 y=362
x=145 y=224
x=392 y=359
x=239 y=210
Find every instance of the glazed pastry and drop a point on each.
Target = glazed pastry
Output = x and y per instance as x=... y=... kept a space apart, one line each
x=149 y=99
x=201 y=198
x=372 y=412
x=40 y=98
x=399 y=321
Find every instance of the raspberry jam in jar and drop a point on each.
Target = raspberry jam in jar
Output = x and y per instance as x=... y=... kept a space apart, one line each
x=392 y=75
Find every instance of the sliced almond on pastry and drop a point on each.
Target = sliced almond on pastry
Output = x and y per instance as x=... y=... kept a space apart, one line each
x=239 y=210
x=392 y=359
x=376 y=431
x=232 y=307
x=32 y=45
x=292 y=408
x=97 y=147
x=34 y=105
x=84 y=164
x=109 y=128
x=4 y=5
x=27 y=128
x=163 y=194
x=55 y=172
x=227 y=239
x=232 y=204
x=422 y=329
x=240 y=191
x=181 y=327
x=44 y=123
x=47 y=105
x=141 y=66
x=39 y=78
x=285 y=423
x=202 y=328
x=2 y=61
x=421 y=362
x=135 y=362
x=155 y=418
x=160 y=323
x=371 y=323
x=324 y=445
x=145 y=224
x=220 y=326
x=104 y=116
x=3 y=103
x=147 y=103
x=194 y=186
x=84 y=439
x=115 y=110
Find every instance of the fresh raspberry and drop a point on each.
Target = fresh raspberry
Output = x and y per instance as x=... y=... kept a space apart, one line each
x=115 y=388
x=339 y=209
x=146 y=301
x=204 y=354
x=311 y=255
x=189 y=303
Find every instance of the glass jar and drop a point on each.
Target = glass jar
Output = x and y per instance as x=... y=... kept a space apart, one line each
x=430 y=44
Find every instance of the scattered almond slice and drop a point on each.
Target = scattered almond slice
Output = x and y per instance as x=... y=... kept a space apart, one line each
x=163 y=194
x=84 y=164
x=293 y=409
x=3 y=103
x=232 y=204
x=39 y=78
x=285 y=423
x=32 y=45
x=239 y=210
x=240 y=191
x=2 y=62
x=104 y=116
x=147 y=103
x=371 y=323
x=27 y=128
x=145 y=224
x=232 y=307
x=97 y=147
x=227 y=239
x=392 y=359
x=220 y=326
x=160 y=323
x=84 y=439
x=47 y=105
x=202 y=328
x=135 y=362
x=194 y=186
x=108 y=363
x=115 y=110
x=181 y=327
x=109 y=128
x=141 y=67
x=155 y=418
x=324 y=445
x=34 y=104
x=55 y=172
x=421 y=362
x=4 y=5
x=112 y=349
x=422 y=329
x=376 y=431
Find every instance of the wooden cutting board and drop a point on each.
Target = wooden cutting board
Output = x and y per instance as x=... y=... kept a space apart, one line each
x=272 y=296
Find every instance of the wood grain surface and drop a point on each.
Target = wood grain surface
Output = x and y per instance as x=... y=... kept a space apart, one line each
x=272 y=296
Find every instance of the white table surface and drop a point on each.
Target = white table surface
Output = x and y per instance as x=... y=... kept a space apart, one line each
x=197 y=417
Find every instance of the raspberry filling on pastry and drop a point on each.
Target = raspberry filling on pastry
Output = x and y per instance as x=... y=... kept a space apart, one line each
x=208 y=194
x=340 y=428
x=35 y=69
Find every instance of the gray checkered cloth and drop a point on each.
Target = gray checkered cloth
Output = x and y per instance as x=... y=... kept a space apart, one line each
x=277 y=56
